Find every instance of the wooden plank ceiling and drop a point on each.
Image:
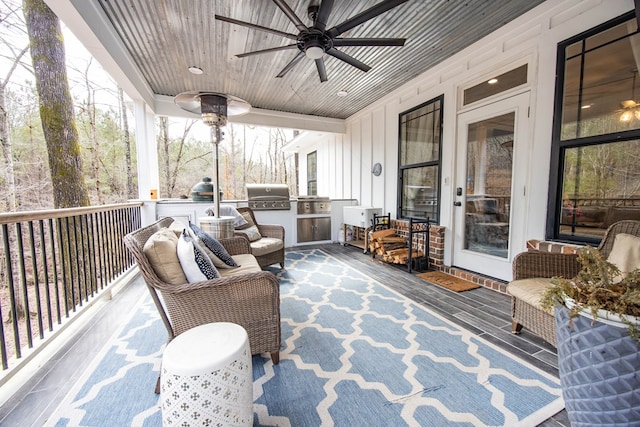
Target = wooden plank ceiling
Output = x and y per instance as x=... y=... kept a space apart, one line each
x=165 y=37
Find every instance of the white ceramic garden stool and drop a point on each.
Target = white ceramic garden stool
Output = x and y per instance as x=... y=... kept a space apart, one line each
x=207 y=377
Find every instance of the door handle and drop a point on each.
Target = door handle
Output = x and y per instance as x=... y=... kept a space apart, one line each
x=457 y=203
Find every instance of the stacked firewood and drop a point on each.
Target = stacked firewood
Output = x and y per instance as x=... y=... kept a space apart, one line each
x=390 y=247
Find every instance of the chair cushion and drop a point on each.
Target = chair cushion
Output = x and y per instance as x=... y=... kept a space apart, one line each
x=248 y=264
x=266 y=245
x=214 y=246
x=161 y=252
x=529 y=290
x=251 y=232
x=247 y=217
x=177 y=227
x=195 y=263
x=625 y=253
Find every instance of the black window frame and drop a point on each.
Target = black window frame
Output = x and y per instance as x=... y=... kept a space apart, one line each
x=559 y=146
x=434 y=163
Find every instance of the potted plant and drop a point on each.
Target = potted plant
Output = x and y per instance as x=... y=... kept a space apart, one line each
x=597 y=316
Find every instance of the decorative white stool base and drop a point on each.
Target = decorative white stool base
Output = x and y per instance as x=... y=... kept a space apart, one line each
x=207 y=377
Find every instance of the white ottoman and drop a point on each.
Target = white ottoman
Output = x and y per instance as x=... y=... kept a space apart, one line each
x=207 y=377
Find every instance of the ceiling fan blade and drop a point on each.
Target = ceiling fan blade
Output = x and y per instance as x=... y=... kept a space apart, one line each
x=368 y=42
x=271 y=49
x=291 y=64
x=364 y=16
x=348 y=59
x=323 y=15
x=322 y=71
x=256 y=27
x=291 y=15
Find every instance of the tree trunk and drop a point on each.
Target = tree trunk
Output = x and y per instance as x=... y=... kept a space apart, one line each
x=164 y=144
x=131 y=194
x=56 y=106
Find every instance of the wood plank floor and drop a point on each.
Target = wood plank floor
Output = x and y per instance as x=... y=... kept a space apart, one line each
x=482 y=311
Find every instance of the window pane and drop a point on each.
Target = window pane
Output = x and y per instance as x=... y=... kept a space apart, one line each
x=601 y=185
x=611 y=34
x=501 y=83
x=602 y=96
x=489 y=177
x=420 y=192
x=312 y=174
x=420 y=135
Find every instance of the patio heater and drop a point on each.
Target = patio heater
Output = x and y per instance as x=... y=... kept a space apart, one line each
x=214 y=109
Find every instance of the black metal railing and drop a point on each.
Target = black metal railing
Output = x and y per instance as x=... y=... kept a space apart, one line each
x=52 y=264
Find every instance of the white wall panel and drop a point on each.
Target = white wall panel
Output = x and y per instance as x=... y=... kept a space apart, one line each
x=356 y=164
x=365 y=160
x=378 y=155
x=372 y=134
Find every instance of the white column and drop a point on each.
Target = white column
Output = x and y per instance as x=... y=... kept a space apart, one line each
x=147 y=161
x=147 y=153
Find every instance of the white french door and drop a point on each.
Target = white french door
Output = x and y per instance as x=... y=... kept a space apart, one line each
x=489 y=202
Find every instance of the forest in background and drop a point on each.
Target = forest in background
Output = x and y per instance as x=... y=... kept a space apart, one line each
x=104 y=120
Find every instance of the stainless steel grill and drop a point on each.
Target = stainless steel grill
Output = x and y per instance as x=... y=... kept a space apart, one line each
x=313 y=205
x=263 y=197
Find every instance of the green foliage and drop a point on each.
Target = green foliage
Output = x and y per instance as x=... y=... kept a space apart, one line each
x=598 y=286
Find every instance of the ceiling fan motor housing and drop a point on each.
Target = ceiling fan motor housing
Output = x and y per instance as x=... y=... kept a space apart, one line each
x=314 y=38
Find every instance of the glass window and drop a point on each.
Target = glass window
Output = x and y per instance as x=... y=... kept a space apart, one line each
x=495 y=85
x=599 y=187
x=419 y=161
x=596 y=140
x=312 y=174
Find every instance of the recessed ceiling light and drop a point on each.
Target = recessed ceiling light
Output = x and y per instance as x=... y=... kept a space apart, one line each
x=493 y=81
x=342 y=93
x=586 y=106
x=195 y=70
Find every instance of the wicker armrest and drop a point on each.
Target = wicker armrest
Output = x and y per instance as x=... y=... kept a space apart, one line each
x=272 y=230
x=236 y=245
x=544 y=264
x=247 y=300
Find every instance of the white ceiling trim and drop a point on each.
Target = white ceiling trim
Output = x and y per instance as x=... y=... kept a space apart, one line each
x=165 y=106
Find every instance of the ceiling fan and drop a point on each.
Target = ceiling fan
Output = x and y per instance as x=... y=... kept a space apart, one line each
x=316 y=40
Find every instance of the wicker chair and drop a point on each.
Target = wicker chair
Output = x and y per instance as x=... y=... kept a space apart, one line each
x=272 y=231
x=545 y=265
x=251 y=300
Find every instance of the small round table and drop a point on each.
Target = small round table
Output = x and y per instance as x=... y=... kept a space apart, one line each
x=217 y=227
x=207 y=377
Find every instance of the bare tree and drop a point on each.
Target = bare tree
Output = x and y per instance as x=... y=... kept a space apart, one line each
x=174 y=157
x=56 y=106
x=127 y=144
x=10 y=19
x=94 y=141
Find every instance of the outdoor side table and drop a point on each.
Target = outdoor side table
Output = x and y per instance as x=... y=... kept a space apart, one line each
x=207 y=377
x=217 y=227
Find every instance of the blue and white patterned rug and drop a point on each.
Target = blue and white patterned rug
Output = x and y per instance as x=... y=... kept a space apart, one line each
x=355 y=353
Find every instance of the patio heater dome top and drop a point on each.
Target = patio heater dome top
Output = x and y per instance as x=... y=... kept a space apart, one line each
x=213 y=106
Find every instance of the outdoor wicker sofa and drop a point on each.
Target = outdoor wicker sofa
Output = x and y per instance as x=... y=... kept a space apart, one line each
x=532 y=273
x=250 y=299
